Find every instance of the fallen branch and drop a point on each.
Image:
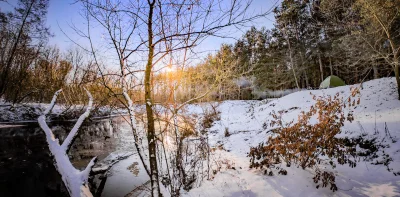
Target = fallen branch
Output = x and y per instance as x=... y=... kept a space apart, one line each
x=75 y=181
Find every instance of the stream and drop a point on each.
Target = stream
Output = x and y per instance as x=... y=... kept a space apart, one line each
x=26 y=166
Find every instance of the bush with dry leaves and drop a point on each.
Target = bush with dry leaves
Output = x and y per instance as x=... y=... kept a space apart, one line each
x=308 y=145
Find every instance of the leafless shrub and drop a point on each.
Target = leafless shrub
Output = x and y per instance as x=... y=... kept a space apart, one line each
x=210 y=116
x=227 y=134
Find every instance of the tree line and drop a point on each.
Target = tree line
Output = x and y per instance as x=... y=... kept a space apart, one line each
x=356 y=40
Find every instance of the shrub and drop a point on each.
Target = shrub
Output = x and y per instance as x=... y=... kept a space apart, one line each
x=303 y=144
x=227 y=134
x=210 y=116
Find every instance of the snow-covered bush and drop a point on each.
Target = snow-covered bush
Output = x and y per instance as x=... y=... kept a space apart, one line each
x=305 y=144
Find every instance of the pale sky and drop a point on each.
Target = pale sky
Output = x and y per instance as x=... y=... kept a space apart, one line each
x=64 y=13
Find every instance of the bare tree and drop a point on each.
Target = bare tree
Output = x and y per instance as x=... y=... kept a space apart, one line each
x=23 y=33
x=144 y=33
x=381 y=20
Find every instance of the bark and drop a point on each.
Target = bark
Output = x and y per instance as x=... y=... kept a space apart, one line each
x=375 y=68
x=179 y=166
x=305 y=71
x=330 y=65
x=131 y=113
x=397 y=75
x=294 y=74
x=101 y=186
x=356 y=73
x=149 y=110
x=306 y=78
x=320 y=67
x=337 y=70
x=396 y=53
x=292 y=62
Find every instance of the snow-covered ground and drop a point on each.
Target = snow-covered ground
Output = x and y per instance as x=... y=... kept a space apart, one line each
x=244 y=121
x=29 y=112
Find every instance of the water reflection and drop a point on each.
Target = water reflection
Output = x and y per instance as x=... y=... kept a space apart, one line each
x=26 y=169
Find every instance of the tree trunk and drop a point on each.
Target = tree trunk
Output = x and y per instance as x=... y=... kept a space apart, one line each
x=149 y=110
x=4 y=74
x=396 y=73
x=292 y=62
x=306 y=78
x=376 y=73
x=357 y=80
x=320 y=67
x=304 y=71
x=330 y=65
x=337 y=70
x=131 y=113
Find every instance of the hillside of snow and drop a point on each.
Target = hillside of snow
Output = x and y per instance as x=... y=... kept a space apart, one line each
x=379 y=108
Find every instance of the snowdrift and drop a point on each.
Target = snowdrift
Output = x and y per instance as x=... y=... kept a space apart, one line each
x=379 y=108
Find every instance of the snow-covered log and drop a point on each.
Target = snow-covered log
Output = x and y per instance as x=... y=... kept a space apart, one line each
x=76 y=181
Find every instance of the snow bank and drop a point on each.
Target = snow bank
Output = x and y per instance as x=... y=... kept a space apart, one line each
x=29 y=112
x=245 y=119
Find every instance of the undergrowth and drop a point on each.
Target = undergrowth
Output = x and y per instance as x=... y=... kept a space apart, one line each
x=307 y=145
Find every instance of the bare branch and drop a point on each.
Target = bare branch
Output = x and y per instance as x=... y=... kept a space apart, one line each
x=74 y=131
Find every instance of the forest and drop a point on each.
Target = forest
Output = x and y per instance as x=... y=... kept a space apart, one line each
x=193 y=117
x=354 y=40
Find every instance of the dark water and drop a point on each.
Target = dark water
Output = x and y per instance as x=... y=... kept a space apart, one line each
x=26 y=167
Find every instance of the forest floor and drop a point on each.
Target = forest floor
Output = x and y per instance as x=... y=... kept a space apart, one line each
x=379 y=108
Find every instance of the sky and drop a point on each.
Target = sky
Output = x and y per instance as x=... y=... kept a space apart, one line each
x=62 y=14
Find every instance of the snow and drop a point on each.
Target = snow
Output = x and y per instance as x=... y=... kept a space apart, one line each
x=29 y=112
x=75 y=181
x=244 y=120
x=122 y=181
x=110 y=160
x=380 y=190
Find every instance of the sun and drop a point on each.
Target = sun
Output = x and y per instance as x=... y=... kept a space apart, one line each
x=168 y=69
